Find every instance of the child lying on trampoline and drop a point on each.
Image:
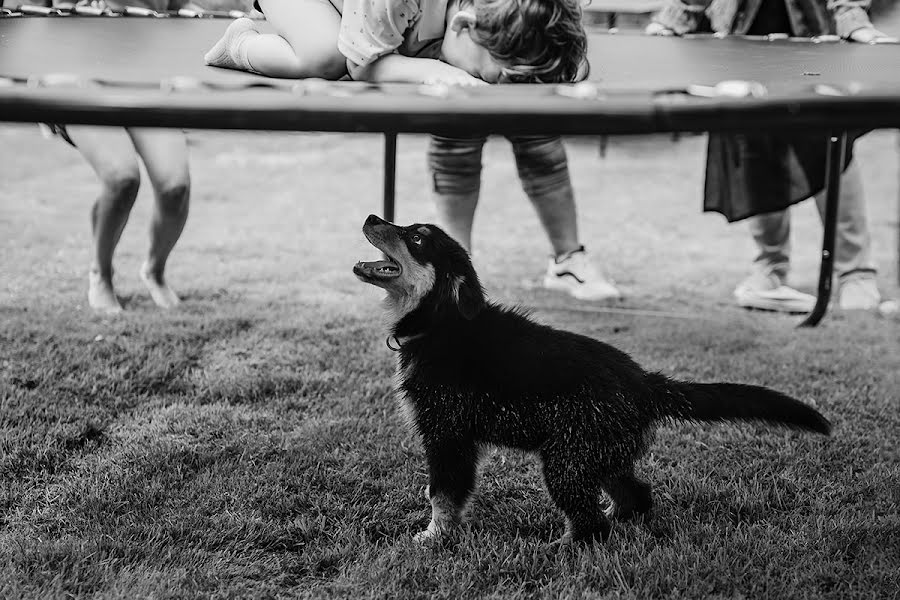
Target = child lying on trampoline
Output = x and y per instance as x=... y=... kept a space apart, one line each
x=463 y=42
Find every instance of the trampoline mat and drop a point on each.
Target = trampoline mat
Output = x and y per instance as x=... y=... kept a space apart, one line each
x=141 y=51
x=639 y=84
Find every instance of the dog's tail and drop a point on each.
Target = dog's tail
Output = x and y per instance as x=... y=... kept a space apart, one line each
x=732 y=402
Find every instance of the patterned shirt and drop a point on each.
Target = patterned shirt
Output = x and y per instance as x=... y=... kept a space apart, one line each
x=372 y=28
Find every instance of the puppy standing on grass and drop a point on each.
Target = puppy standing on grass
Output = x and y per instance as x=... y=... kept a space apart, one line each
x=472 y=374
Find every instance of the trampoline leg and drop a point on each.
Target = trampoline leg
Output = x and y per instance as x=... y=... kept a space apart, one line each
x=603 y=144
x=612 y=22
x=837 y=144
x=390 y=174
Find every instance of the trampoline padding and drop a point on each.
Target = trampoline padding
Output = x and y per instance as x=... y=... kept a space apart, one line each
x=139 y=62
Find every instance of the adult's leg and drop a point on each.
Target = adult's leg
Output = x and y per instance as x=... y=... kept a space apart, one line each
x=165 y=155
x=853 y=264
x=772 y=234
x=765 y=288
x=305 y=44
x=852 y=253
x=455 y=166
x=111 y=154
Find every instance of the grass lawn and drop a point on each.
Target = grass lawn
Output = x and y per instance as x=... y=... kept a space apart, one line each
x=247 y=445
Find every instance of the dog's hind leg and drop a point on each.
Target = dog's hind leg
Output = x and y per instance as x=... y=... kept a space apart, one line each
x=630 y=495
x=571 y=486
x=452 y=467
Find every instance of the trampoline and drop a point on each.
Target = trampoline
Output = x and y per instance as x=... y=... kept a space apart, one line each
x=145 y=69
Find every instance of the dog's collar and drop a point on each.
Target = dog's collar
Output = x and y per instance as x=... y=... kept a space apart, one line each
x=401 y=341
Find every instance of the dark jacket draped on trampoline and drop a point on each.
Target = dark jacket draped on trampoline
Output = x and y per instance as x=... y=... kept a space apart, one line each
x=754 y=174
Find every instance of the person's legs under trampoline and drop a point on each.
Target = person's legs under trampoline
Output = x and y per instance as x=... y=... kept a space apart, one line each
x=455 y=165
x=544 y=172
x=766 y=287
x=111 y=154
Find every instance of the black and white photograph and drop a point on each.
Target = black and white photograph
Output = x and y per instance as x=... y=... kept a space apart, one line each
x=450 y=299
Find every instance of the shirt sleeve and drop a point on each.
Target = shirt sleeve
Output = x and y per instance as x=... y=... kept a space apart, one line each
x=373 y=28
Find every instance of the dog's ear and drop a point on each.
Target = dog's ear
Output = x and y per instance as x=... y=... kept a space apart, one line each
x=468 y=295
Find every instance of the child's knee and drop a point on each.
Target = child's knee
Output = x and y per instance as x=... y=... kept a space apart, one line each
x=122 y=182
x=540 y=154
x=172 y=198
x=455 y=165
x=541 y=163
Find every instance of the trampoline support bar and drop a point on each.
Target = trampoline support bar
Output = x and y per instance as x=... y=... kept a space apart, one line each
x=837 y=145
x=390 y=175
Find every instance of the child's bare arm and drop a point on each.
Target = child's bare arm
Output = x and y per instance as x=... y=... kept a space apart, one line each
x=405 y=69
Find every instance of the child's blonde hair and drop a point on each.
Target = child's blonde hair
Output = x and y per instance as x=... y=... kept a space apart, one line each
x=538 y=41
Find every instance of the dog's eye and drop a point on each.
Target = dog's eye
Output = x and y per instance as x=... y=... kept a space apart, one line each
x=416 y=239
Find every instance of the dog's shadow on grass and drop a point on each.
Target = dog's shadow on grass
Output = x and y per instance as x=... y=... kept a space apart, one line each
x=531 y=517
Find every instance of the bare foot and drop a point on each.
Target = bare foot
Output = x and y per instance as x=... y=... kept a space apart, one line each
x=161 y=293
x=101 y=296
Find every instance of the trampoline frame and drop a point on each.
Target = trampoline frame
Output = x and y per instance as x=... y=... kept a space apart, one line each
x=587 y=111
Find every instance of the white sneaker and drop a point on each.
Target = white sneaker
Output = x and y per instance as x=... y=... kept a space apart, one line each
x=767 y=291
x=859 y=293
x=575 y=274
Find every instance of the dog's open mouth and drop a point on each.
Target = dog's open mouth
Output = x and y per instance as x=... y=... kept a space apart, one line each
x=378 y=269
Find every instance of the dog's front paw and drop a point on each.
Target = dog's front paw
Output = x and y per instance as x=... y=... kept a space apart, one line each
x=427 y=538
x=565 y=540
x=437 y=531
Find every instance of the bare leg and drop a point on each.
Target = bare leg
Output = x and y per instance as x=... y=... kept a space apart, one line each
x=305 y=44
x=456 y=214
x=166 y=157
x=544 y=173
x=111 y=154
x=455 y=165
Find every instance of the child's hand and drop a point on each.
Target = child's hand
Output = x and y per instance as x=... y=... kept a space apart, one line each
x=870 y=35
x=450 y=75
x=658 y=29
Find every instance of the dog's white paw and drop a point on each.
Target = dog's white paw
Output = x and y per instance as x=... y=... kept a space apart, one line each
x=427 y=537
x=565 y=540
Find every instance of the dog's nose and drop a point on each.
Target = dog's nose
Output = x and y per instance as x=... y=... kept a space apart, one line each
x=373 y=220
